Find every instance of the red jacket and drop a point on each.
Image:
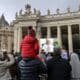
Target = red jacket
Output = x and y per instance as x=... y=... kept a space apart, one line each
x=29 y=47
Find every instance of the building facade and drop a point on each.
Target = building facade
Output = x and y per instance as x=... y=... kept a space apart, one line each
x=64 y=27
x=6 y=35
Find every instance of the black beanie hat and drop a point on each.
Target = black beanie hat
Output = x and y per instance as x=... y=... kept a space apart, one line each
x=31 y=31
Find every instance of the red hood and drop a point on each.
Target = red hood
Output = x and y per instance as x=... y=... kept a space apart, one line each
x=29 y=39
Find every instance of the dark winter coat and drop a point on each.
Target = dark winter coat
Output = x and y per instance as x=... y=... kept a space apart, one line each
x=58 y=69
x=18 y=59
x=30 y=69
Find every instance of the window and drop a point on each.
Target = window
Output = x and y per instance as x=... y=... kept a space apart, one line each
x=24 y=31
x=43 y=32
x=53 y=32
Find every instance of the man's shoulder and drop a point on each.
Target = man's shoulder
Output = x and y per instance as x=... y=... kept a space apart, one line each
x=64 y=61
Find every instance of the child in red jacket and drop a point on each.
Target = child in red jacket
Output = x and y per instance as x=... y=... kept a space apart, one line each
x=29 y=46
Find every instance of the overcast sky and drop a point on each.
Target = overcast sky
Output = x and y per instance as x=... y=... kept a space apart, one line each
x=10 y=7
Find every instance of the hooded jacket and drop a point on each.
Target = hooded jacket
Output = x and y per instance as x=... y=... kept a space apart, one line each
x=29 y=47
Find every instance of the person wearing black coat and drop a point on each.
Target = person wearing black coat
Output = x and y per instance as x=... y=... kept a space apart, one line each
x=31 y=68
x=58 y=68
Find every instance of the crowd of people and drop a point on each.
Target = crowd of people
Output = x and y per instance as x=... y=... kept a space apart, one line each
x=33 y=63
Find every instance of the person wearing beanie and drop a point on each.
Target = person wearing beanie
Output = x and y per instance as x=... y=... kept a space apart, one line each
x=29 y=46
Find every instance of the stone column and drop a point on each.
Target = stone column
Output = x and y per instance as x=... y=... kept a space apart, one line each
x=38 y=34
x=79 y=34
x=15 y=39
x=79 y=28
x=70 y=44
x=2 y=42
x=48 y=32
x=79 y=31
x=19 y=38
x=59 y=36
x=9 y=43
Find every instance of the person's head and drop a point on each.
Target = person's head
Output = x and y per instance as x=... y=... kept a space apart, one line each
x=63 y=49
x=5 y=54
x=1 y=56
x=57 y=53
x=31 y=31
x=42 y=51
x=42 y=45
x=75 y=56
x=49 y=54
x=47 y=41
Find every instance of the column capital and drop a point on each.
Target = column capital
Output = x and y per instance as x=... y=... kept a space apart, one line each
x=58 y=25
x=69 y=25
